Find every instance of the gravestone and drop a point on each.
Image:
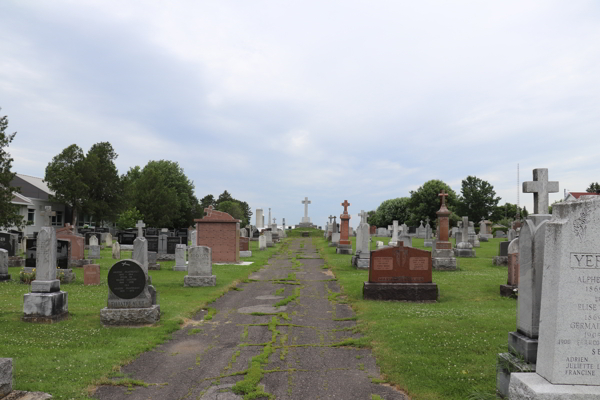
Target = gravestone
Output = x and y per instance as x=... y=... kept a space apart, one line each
x=262 y=242
x=421 y=231
x=162 y=244
x=394 y=240
x=382 y=232
x=400 y=273
x=126 y=238
x=7 y=243
x=91 y=274
x=140 y=252
x=153 y=261
x=511 y=235
x=200 y=267
x=512 y=282
x=152 y=243
x=180 y=264
x=465 y=247
x=193 y=235
x=568 y=360
x=46 y=303
x=523 y=343
x=428 y=242
x=172 y=243
x=116 y=251
x=245 y=247
x=305 y=223
x=150 y=232
x=269 y=237
x=4 y=275
x=502 y=257
x=379 y=244
x=362 y=257
x=131 y=301
x=219 y=231
x=77 y=245
x=442 y=256
x=406 y=240
x=344 y=245
x=94 y=252
x=5 y=377
x=108 y=240
x=335 y=239
x=485 y=229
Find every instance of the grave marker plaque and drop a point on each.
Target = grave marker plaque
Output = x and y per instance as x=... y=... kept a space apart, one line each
x=126 y=280
x=152 y=243
x=172 y=242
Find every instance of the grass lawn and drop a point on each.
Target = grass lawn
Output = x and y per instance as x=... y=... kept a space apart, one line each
x=444 y=350
x=68 y=358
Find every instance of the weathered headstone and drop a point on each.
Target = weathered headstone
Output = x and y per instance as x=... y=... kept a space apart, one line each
x=91 y=274
x=363 y=242
x=512 y=281
x=5 y=377
x=46 y=302
x=4 y=275
x=219 y=231
x=140 y=252
x=131 y=301
x=568 y=357
x=94 y=252
x=200 y=267
x=194 y=237
x=442 y=256
x=77 y=245
x=153 y=261
x=108 y=240
x=502 y=257
x=379 y=244
x=162 y=244
x=485 y=229
x=394 y=240
x=245 y=247
x=421 y=231
x=465 y=247
x=268 y=235
x=400 y=273
x=428 y=242
x=116 y=251
x=262 y=242
x=180 y=264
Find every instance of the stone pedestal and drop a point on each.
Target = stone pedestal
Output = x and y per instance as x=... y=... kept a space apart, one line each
x=363 y=263
x=4 y=277
x=531 y=386
x=16 y=261
x=508 y=291
x=45 y=307
x=130 y=316
x=180 y=264
x=426 y=292
x=245 y=253
x=200 y=268
x=500 y=260
x=464 y=249
x=344 y=249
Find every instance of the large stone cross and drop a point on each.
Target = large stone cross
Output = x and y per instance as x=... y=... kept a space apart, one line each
x=48 y=214
x=306 y=202
x=427 y=220
x=363 y=216
x=346 y=204
x=443 y=195
x=540 y=187
x=140 y=225
x=330 y=218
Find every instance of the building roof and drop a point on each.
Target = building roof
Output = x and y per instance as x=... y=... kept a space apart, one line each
x=37 y=182
x=18 y=198
x=577 y=195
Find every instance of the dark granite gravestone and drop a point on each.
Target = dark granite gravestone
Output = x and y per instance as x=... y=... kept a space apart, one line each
x=102 y=230
x=412 y=229
x=88 y=235
x=126 y=279
x=256 y=234
x=503 y=249
x=151 y=232
x=152 y=243
x=183 y=234
x=126 y=237
x=7 y=243
x=62 y=253
x=83 y=231
x=400 y=273
x=172 y=242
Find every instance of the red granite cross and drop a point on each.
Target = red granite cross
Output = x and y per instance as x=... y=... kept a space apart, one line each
x=346 y=204
x=443 y=195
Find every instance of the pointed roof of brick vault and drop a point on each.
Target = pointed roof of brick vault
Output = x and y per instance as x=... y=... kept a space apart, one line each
x=213 y=215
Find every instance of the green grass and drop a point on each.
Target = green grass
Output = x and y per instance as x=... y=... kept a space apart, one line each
x=434 y=351
x=68 y=358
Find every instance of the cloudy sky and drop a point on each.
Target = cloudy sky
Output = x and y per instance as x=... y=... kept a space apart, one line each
x=278 y=100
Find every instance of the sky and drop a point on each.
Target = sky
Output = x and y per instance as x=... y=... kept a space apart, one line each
x=332 y=100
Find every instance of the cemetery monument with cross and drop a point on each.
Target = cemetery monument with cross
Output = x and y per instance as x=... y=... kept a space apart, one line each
x=523 y=343
x=344 y=245
x=306 y=219
x=362 y=257
x=442 y=254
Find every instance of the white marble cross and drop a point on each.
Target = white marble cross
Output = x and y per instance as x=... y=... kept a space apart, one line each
x=140 y=225
x=48 y=214
x=306 y=202
x=540 y=187
x=363 y=216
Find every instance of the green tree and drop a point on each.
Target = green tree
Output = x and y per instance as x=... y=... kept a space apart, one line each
x=105 y=196
x=207 y=201
x=65 y=176
x=9 y=213
x=129 y=181
x=478 y=199
x=234 y=209
x=425 y=202
x=593 y=188
x=128 y=218
x=165 y=195
x=390 y=210
x=508 y=211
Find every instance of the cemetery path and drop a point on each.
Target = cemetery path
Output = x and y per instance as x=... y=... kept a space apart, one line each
x=281 y=333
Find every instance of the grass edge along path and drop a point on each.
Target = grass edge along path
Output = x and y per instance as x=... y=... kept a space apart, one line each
x=68 y=359
x=434 y=351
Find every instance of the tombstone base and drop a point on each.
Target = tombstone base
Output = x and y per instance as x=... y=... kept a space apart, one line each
x=508 y=291
x=165 y=257
x=4 y=277
x=16 y=261
x=532 y=386
x=419 y=292
x=501 y=260
x=344 y=249
x=363 y=263
x=45 y=286
x=271 y=244
x=68 y=275
x=154 y=266
x=444 y=263
x=332 y=244
x=130 y=316
x=45 y=307
x=428 y=243
x=245 y=253
x=196 y=281
x=180 y=268
x=508 y=363
x=464 y=252
x=523 y=345
x=483 y=239
x=80 y=263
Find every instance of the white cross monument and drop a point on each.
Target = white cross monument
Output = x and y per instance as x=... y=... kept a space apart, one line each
x=540 y=187
x=306 y=218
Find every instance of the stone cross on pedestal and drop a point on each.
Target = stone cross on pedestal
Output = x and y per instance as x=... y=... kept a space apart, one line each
x=140 y=225
x=540 y=187
x=421 y=222
x=443 y=195
x=330 y=218
x=346 y=204
x=426 y=220
x=306 y=202
x=48 y=214
x=363 y=216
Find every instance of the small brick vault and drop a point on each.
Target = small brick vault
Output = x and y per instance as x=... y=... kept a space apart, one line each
x=219 y=231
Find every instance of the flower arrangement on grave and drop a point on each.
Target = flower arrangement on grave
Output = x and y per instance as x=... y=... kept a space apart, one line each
x=60 y=275
x=26 y=277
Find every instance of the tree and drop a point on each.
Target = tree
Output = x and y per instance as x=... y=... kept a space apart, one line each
x=105 y=196
x=478 y=199
x=225 y=196
x=9 y=213
x=164 y=195
x=233 y=208
x=390 y=210
x=593 y=188
x=128 y=218
x=207 y=201
x=64 y=175
x=508 y=211
x=425 y=201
